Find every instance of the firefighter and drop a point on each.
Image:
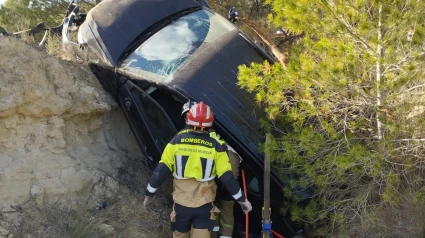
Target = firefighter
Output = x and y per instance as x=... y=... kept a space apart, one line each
x=195 y=159
x=225 y=202
x=225 y=220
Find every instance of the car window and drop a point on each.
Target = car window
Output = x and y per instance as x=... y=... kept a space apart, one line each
x=157 y=120
x=254 y=185
x=168 y=49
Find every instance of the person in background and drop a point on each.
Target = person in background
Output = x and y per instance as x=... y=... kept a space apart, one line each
x=195 y=159
x=233 y=15
x=225 y=202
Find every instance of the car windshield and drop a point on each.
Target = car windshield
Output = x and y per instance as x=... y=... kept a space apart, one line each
x=168 y=49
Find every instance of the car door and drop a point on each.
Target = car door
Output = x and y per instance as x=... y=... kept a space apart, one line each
x=149 y=122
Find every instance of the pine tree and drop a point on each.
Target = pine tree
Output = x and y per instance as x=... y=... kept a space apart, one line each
x=352 y=91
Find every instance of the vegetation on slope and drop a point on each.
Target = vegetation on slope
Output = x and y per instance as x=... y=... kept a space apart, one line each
x=346 y=108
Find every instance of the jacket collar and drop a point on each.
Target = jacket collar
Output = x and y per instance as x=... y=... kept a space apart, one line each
x=189 y=129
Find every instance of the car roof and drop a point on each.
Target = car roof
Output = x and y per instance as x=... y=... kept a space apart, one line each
x=211 y=76
x=116 y=24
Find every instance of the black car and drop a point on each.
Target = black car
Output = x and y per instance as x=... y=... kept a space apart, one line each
x=157 y=54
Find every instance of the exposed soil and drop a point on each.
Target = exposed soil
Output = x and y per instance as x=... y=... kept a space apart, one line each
x=65 y=146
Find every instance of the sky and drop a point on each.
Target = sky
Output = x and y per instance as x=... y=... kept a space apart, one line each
x=2 y=1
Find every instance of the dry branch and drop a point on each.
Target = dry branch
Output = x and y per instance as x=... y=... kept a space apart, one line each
x=275 y=50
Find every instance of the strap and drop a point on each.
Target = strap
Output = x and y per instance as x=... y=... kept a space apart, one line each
x=267 y=227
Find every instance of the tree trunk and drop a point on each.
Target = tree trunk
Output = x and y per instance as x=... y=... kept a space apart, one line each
x=379 y=55
x=258 y=8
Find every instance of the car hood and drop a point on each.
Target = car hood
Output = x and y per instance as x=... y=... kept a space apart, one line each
x=116 y=24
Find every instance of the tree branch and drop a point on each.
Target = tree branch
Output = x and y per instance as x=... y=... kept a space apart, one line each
x=348 y=28
x=275 y=50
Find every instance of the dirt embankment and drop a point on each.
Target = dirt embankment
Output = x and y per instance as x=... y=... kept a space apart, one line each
x=62 y=138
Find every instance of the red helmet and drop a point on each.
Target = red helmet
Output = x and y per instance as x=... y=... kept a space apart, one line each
x=200 y=115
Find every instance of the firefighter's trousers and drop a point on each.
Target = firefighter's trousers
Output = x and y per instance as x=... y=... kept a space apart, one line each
x=226 y=219
x=201 y=219
x=226 y=203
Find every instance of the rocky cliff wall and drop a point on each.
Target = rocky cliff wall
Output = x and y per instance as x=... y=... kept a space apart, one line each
x=59 y=131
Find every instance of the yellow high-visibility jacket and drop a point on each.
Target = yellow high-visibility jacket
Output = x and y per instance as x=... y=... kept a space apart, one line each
x=195 y=155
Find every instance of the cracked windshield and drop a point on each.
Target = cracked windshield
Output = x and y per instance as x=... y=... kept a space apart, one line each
x=159 y=57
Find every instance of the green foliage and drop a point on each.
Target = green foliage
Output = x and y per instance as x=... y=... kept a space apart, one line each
x=356 y=134
x=16 y=15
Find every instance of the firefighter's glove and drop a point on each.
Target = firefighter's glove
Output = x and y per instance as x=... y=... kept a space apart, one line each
x=246 y=206
x=148 y=200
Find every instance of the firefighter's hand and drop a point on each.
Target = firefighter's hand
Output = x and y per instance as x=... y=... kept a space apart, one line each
x=148 y=200
x=246 y=206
